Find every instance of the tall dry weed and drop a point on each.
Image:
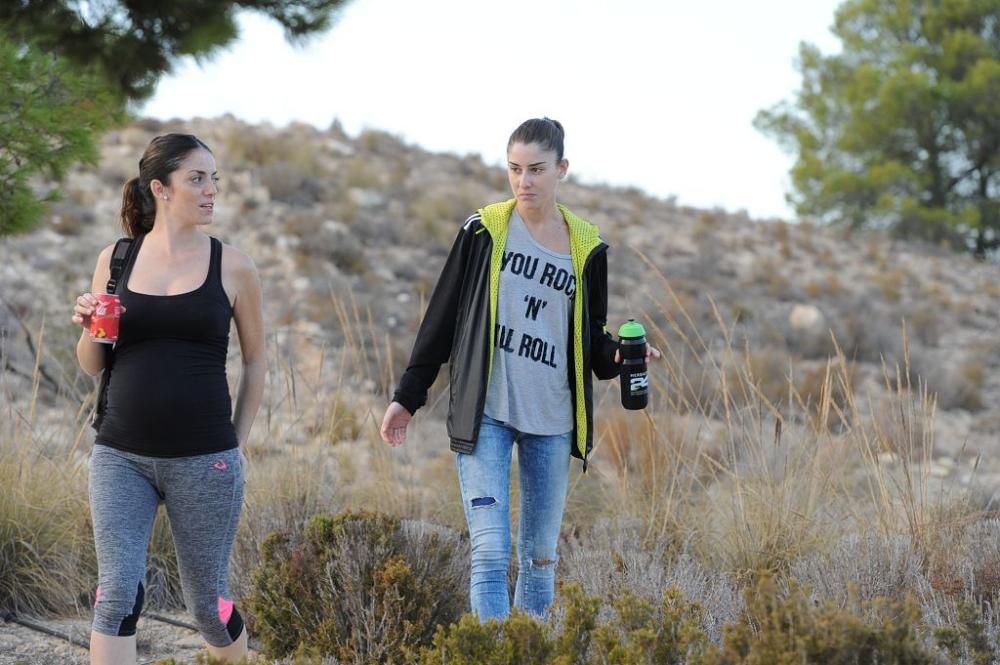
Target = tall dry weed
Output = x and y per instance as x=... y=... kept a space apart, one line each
x=46 y=560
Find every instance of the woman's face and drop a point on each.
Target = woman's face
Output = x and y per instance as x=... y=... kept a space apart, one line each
x=190 y=196
x=534 y=174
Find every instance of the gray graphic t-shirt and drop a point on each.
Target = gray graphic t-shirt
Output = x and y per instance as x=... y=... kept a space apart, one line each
x=529 y=387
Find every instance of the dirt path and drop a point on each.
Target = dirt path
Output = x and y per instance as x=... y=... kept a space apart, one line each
x=20 y=645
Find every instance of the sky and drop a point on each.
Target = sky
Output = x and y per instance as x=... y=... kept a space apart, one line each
x=658 y=94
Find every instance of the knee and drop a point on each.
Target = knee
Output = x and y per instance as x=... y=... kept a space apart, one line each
x=116 y=611
x=220 y=624
x=541 y=564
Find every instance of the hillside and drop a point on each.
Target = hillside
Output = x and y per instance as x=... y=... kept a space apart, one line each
x=767 y=445
x=338 y=222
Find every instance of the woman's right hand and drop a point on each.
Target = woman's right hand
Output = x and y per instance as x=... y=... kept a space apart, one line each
x=394 y=424
x=83 y=309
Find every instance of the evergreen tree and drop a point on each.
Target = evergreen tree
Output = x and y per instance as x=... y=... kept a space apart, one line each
x=134 y=42
x=901 y=129
x=68 y=68
x=49 y=115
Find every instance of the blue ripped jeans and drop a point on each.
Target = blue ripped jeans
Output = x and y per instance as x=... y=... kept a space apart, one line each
x=484 y=476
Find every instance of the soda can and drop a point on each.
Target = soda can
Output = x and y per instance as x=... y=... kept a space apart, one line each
x=104 y=320
x=634 y=377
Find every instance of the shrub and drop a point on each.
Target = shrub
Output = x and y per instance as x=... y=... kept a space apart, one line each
x=961 y=387
x=296 y=148
x=437 y=215
x=612 y=559
x=792 y=629
x=380 y=142
x=891 y=284
x=981 y=545
x=868 y=334
x=280 y=494
x=706 y=227
x=768 y=274
x=286 y=183
x=864 y=566
x=968 y=640
x=633 y=632
x=641 y=634
x=515 y=641
x=926 y=324
x=358 y=586
x=360 y=172
x=829 y=286
x=334 y=242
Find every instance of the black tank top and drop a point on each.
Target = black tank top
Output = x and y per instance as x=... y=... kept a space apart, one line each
x=167 y=394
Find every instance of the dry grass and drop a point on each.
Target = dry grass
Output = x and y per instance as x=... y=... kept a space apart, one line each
x=802 y=461
x=46 y=560
x=649 y=468
x=42 y=518
x=747 y=462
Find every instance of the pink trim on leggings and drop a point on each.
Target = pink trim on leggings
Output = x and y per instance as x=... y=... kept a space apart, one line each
x=225 y=610
x=97 y=596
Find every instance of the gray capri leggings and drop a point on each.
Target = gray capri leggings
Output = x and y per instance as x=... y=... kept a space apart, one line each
x=203 y=495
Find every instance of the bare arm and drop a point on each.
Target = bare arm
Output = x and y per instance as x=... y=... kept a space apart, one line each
x=248 y=314
x=90 y=354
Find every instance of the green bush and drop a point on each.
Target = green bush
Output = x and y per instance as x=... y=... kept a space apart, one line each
x=969 y=638
x=361 y=587
x=636 y=633
x=518 y=640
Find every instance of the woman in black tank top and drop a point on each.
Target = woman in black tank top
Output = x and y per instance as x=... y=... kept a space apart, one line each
x=168 y=399
x=182 y=340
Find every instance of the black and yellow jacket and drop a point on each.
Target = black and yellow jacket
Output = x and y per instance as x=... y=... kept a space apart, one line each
x=459 y=327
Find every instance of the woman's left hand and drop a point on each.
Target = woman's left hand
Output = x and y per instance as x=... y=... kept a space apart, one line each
x=651 y=352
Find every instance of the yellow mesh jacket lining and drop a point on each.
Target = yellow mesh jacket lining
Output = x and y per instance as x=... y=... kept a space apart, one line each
x=583 y=238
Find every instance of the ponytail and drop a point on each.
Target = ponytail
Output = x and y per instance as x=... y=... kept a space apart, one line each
x=138 y=209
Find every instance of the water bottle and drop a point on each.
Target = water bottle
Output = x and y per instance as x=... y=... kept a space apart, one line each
x=634 y=378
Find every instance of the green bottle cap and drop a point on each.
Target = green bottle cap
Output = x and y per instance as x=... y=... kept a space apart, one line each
x=632 y=328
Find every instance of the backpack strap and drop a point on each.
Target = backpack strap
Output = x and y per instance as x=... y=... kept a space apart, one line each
x=119 y=257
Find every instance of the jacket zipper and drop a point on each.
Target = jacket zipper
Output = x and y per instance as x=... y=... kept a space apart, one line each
x=601 y=247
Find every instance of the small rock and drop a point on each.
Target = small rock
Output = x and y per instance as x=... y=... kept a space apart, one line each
x=804 y=317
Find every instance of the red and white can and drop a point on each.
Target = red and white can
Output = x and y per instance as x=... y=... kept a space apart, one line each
x=104 y=320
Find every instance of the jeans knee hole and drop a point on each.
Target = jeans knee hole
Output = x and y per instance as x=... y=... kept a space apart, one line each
x=483 y=501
